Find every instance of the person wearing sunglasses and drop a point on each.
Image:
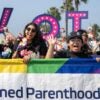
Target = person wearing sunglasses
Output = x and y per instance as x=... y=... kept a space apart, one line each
x=74 y=50
x=32 y=45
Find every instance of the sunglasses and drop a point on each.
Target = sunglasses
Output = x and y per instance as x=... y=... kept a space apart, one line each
x=32 y=30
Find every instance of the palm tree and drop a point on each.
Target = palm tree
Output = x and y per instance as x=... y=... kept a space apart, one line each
x=55 y=12
x=78 y=2
x=96 y=29
x=67 y=6
x=45 y=26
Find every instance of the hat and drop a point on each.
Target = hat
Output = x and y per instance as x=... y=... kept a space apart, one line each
x=73 y=35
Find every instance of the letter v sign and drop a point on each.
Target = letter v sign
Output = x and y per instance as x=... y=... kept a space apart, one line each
x=5 y=18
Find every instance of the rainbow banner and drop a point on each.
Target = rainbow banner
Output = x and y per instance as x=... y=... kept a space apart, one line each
x=50 y=79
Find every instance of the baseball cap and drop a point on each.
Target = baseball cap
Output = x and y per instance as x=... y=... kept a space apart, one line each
x=74 y=35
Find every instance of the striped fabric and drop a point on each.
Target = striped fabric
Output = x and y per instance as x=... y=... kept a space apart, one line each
x=49 y=79
x=50 y=66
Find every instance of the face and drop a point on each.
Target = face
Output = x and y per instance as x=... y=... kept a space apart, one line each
x=75 y=44
x=30 y=32
x=85 y=37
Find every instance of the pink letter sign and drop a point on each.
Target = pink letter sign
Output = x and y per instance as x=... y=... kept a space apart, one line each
x=5 y=18
x=77 y=17
x=54 y=25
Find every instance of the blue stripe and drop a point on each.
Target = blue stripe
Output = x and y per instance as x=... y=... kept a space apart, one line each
x=78 y=65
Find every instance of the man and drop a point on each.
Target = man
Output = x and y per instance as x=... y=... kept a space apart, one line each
x=75 y=44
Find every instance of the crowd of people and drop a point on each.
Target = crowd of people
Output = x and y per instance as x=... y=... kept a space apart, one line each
x=31 y=45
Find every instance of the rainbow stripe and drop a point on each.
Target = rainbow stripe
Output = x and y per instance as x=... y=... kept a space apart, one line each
x=12 y=66
x=50 y=66
x=64 y=66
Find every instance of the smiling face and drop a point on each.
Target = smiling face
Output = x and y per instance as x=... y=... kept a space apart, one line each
x=30 y=32
x=75 y=45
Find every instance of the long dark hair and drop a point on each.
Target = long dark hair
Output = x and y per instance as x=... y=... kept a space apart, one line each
x=38 y=37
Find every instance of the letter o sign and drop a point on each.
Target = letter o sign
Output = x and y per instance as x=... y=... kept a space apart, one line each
x=53 y=22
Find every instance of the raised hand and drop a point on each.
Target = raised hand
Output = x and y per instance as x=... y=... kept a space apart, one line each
x=51 y=40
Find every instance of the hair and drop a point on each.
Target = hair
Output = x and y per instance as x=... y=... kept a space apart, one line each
x=36 y=27
x=38 y=36
x=81 y=31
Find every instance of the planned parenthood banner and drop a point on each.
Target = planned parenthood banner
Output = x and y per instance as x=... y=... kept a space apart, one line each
x=54 y=79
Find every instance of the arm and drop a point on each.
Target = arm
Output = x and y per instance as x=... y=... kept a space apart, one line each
x=98 y=59
x=50 y=52
x=96 y=47
x=14 y=55
x=51 y=41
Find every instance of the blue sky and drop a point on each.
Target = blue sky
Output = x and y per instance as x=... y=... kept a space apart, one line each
x=26 y=10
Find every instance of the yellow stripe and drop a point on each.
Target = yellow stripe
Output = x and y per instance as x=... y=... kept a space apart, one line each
x=12 y=66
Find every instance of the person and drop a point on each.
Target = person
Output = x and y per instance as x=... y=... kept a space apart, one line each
x=84 y=35
x=64 y=42
x=93 y=41
x=75 y=44
x=9 y=37
x=6 y=53
x=32 y=45
x=6 y=45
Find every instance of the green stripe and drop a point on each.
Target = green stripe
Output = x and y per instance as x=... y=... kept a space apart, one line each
x=45 y=65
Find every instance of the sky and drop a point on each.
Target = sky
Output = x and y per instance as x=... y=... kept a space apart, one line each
x=24 y=11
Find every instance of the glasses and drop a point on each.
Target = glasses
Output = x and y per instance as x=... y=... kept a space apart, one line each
x=32 y=30
x=76 y=40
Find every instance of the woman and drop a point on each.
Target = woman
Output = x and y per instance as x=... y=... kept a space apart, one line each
x=31 y=45
x=84 y=36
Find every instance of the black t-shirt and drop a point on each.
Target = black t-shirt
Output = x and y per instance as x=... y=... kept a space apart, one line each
x=86 y=48
x=1 y=47
x=68 y=54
